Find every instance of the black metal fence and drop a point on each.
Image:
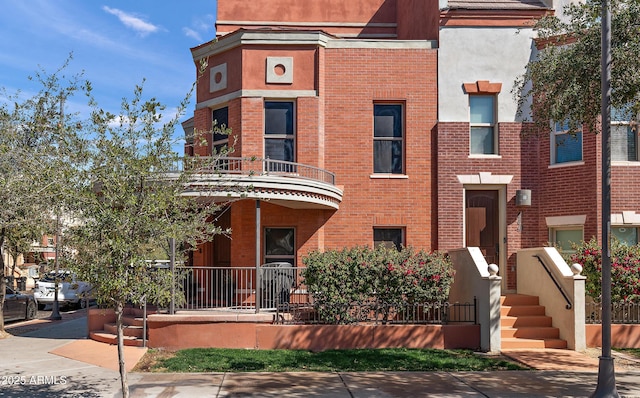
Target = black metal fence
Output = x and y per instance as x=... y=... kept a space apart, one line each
x=438 y=313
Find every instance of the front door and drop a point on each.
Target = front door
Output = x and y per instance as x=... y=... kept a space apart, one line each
x=482 y=223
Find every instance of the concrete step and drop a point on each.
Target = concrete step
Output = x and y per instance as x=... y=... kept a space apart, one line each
x=132 y=320
x=530 y=332
x=525 y=320
x=138 y=312
x=127 y=330
x=109 y=338
x=518 y=299
x=520 y=310
x=510 y=343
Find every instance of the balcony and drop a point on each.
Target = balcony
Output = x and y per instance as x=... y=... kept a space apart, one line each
x=288 y=184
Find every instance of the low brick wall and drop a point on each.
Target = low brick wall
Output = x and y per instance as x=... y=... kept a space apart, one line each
x=172 y=332
x=98 y=317
x=622 y=336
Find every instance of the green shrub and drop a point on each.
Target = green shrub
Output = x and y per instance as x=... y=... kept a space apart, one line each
x=625 y=269
x=378 y=279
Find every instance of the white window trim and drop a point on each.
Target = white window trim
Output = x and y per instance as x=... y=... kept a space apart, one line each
x=568 y=221
x=388 y=176
x=401 y=139
x=494 y=127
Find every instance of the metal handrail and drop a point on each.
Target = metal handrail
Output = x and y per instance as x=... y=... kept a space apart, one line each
x=555 y=282
x=144 y=321
x=252 y=166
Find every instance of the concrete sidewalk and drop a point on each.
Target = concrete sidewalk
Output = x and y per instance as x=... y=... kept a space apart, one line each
x=30 y=368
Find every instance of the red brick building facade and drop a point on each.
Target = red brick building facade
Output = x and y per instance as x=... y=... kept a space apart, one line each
x=379 y=95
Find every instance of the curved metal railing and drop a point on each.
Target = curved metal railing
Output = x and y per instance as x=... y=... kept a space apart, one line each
x=253 y=166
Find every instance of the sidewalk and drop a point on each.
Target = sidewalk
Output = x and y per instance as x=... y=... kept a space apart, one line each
x=56 y=360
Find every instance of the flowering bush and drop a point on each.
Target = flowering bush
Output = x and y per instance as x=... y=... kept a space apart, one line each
x=625 y=269
x=379 y=278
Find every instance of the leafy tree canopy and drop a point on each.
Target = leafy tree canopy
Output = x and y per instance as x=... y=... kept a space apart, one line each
x=129 y=202
x=563 y=81
x=33 y=165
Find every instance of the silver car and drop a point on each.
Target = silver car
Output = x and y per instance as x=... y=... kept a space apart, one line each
x=71 y=292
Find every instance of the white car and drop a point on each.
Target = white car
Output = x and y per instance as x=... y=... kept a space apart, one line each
x=70 y=291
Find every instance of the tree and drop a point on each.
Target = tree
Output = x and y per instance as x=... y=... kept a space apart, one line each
x=32 y=138
x=563 y=81
x=129 y=200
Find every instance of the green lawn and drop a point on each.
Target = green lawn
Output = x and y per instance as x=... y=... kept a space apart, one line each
x=238 y=360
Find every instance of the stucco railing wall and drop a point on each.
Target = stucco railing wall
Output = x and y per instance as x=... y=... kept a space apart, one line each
x=534 y=280
x=474 y=278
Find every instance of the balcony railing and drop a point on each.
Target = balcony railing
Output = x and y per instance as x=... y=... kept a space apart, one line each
x=252 y=166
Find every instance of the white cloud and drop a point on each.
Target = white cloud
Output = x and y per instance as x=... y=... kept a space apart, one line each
x=192 y=33
x=133 y=22
x=199 y=27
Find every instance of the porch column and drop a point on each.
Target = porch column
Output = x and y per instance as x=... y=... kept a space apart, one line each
x=258 y=276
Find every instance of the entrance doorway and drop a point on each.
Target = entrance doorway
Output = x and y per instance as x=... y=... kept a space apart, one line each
x=483 y=223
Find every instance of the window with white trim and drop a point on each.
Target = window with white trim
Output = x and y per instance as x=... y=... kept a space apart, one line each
x=566 y=146
x=389 y=237
x=388 y=145
x=482 y=117
x=279 y=130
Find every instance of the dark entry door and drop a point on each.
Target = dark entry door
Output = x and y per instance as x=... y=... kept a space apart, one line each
x=482 y=223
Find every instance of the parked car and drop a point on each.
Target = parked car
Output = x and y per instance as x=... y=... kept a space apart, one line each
x=71 y=292
x=18 y=306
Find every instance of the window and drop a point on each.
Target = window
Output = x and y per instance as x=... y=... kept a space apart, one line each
x=220 y=124
x=388 y=237
x=279 y=245
x=624 y=141
x=279 y=131
x=564 y=238
x=482 y=123
x=387 y=139
x=626 y=235
x=565 y=146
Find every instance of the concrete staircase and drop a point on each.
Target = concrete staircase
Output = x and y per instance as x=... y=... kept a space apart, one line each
x=523 y=324
x=132 y=320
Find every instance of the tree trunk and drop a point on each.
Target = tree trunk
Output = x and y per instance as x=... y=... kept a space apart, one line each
x=123 y=370
x=3 y=287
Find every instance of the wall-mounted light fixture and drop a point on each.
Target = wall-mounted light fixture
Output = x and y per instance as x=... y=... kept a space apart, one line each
x=523 y=199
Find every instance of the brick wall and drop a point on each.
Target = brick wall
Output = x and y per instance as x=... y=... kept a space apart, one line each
x=334 y=131
x=355 y=79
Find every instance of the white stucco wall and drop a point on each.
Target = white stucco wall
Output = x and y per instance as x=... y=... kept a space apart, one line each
x=469 y=54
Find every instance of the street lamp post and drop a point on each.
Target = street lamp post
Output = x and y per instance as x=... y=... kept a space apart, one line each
x=55 y=312
x=606 y=374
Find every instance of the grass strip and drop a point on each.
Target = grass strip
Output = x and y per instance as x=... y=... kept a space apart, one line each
x=360 y=360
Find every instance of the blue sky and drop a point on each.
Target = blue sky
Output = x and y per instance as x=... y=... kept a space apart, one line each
x=116 y=43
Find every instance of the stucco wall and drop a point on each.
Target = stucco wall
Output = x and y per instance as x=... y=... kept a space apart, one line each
x=466 y=55
x=178 y=335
